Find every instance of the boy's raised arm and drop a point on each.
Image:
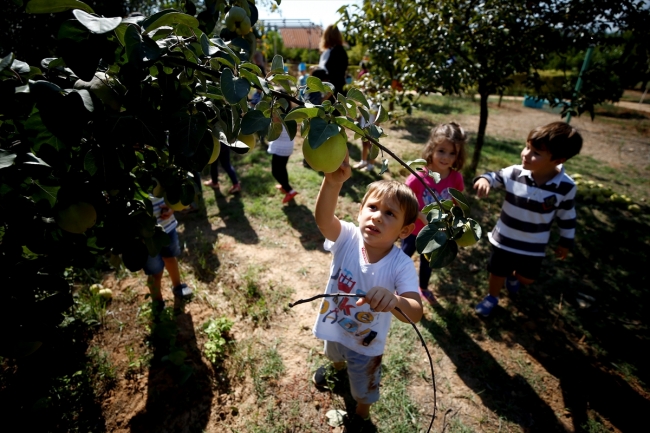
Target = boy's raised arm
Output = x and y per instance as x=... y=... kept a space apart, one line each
x=327 y=222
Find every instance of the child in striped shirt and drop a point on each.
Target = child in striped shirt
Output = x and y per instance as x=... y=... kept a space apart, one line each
x=537 y=192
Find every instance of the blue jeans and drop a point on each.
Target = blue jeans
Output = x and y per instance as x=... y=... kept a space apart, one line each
x=408 y=246
x=156 y=265
x=224 y=160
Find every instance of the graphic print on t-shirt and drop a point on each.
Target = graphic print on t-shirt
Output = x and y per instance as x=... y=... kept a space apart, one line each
x=339 y=310
x=443 y=195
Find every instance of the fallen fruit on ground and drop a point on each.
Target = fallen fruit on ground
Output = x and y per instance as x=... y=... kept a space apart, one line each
x=77 y=218
x=106 y=293
x=95 y=288
x=328 y=156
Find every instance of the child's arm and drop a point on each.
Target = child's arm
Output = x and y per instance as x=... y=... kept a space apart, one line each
x=326 y=220
x=482 y=187
x=383 y=300
x=566 y=221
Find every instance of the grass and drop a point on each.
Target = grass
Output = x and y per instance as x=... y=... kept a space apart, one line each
x=507 y=371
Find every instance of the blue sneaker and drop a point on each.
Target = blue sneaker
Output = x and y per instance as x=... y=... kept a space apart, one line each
x=513 y=285
x=485 y=307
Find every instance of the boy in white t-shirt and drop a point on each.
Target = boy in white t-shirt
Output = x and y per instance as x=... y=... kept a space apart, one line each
x=365 y=261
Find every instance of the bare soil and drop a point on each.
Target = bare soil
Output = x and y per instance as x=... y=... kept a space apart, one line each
x=222 y=397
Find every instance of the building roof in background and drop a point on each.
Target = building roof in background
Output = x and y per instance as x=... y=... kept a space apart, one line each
x=301 y=37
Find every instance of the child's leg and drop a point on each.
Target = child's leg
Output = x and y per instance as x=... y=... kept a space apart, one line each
x=171 y=264
x=496 y=283
x=224 y=159
x=279 y=171
x=154 y=282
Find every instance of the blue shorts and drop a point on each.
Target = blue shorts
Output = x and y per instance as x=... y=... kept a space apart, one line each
x=364 y=371
x=156 y=265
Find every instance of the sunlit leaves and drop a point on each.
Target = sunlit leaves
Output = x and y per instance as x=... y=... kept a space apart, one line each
x=95 y=24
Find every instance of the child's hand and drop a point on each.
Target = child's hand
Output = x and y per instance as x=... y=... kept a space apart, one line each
x=341 y=174
x=380 y=299
x=165 y=212
x=561 y=252
x=482 y=187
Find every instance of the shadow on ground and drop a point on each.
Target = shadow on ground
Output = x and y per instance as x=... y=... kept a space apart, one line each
x=180 y=385
x=583 y=321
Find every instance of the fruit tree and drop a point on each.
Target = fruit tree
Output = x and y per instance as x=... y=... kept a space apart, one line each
x=132 y=107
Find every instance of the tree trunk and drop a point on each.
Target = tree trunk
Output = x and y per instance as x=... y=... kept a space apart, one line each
x=482 y=126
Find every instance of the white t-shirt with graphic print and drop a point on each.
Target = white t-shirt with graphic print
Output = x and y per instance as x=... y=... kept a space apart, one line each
x=360 y=328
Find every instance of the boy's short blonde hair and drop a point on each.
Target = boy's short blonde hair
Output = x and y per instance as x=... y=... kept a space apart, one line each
x=402 y=193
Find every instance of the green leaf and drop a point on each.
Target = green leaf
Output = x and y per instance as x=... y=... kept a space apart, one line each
x=274 y=131
x=417 y=163
x=251 y=66
x=443 y=256
x=155 y=17
x=139 y=48
x=20 y=67
x=221 y=44
x=302 y=113
x=254 y=121
x=6 y=61
x=384 y=166
x=459 y=198
x=85 y=98
x=45 y=192
x=54 y=6
x=382 y=115
x=277 y=65
x=375 y=131
x=347 y=123
x=98 y=25
x=284 y=77
x=214 y=63
x=356 y=95
x=207 y=48
x=320 y=131
x=434 y=214
x=251 y=77
x=430 y=239
x=314 y=84
x=374 y=152
x=90 y=162
x=168 y=19
x=233 y=88
x=434 y=175
x=6 y=158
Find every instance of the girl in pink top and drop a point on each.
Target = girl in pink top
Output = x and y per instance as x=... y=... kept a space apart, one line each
x=445 y=154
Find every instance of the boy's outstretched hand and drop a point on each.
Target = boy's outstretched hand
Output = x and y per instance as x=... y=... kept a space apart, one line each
x=342 y=173
x=482 y=187
x=380 y=299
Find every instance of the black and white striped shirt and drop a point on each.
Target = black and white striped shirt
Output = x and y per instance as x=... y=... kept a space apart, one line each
x=529 y=210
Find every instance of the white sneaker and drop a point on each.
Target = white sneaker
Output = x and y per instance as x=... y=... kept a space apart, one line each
x=360 y=164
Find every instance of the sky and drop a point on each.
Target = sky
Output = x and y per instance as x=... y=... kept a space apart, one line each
x=321 y=12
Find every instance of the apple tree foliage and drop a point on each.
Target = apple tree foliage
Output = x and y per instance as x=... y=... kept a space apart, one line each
x=470 y=45
x=131 y=107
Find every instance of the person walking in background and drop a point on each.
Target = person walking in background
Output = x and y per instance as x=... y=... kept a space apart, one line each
x=538 y=191
x=224 y=160
x=333 y=58
x=366 y=162
x=445 y=154
x=281 y=149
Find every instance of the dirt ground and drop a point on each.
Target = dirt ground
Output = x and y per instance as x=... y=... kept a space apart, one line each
x=146 y=400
